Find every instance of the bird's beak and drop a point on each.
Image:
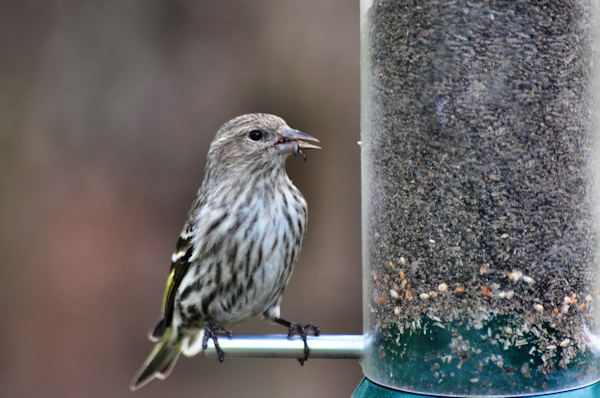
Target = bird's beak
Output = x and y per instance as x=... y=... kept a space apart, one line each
x=292 y=141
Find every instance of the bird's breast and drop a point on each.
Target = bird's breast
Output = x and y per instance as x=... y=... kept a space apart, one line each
x=247 y=257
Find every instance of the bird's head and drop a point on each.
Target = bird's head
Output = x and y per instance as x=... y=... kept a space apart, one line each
x=256 y=142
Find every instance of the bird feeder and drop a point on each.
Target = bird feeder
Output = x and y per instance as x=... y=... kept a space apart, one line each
x=481 y=179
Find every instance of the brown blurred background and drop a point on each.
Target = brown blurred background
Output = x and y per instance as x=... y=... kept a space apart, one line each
x=107 y=110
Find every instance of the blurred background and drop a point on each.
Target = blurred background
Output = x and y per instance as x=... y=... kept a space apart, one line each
x=107 y=109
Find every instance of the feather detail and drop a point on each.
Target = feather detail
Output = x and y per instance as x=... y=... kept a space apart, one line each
x=159 y=363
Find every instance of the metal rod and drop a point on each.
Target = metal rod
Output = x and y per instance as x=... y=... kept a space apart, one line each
x=279 y=346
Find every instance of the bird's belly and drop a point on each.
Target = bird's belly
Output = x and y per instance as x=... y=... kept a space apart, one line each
x=263 y=291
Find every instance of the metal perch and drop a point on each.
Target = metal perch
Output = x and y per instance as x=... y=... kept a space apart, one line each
x=279 y=346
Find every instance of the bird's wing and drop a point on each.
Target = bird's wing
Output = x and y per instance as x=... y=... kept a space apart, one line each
x=179 y=266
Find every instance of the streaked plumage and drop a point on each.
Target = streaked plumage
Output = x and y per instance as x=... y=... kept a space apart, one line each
x=239 y=244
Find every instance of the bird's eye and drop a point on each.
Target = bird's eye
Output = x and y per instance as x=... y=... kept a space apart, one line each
x=255 y=135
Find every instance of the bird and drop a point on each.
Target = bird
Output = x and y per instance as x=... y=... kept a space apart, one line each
x=239 y=244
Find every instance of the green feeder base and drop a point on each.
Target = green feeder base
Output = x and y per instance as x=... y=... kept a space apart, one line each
x=368 y=389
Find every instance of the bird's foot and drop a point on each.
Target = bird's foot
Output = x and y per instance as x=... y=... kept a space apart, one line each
x=212 y=331
x=296 y=329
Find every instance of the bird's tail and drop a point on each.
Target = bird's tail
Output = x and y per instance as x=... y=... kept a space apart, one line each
x=159 y=363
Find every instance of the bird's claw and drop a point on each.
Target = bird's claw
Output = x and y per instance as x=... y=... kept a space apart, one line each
x=212 y=331
x=295 y=329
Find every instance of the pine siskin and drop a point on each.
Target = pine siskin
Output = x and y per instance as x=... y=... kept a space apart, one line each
x=239 y=245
